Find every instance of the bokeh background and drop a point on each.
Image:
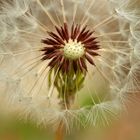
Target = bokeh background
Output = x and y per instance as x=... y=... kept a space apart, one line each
x=127 y=127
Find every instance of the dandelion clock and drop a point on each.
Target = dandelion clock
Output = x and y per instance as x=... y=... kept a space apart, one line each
x=69 y=63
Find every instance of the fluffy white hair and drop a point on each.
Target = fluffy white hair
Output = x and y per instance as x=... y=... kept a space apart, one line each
x=23 y=23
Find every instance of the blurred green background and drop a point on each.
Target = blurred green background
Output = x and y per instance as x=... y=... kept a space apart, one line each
x=125 y=128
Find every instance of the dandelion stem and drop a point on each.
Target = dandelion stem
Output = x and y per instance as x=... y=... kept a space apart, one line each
x=60 y=132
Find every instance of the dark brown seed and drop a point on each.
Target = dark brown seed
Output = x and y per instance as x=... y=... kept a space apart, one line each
x=83 y=30
x=92 y=43
x=92 y=47
x=92 y=52
x=56 y=38
x=49 y=56
x=89 y=34
x=76 y=31
x=49 y=41
x=65 y=65
x=72 y=31
x=88 y=41
x=75 y=66
x=59 y=32
x=48 y=48
x=80 y=65
x=89 y=59
x=66 y=31
x=82 y=36
x=82 y=61
x=54 y=61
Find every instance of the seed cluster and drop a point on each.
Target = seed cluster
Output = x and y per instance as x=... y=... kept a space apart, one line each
x=68 y=47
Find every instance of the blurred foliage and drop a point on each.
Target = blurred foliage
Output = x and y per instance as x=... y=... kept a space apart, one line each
x=19 y=130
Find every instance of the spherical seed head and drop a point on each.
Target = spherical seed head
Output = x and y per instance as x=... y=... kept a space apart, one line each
x=73 y=49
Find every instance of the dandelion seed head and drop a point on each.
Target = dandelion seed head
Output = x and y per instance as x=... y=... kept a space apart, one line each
x=78 y=45
x=66 y=61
